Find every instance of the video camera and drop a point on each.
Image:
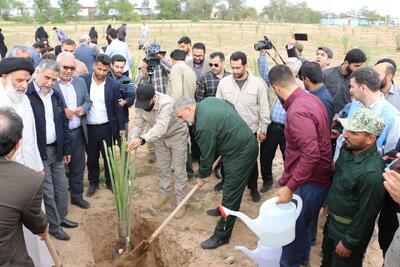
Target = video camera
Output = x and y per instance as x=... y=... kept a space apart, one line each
x=151 y=58
x=263 y=44
x=267 y=44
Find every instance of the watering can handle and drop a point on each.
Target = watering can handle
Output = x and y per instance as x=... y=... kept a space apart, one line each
x=299 y=205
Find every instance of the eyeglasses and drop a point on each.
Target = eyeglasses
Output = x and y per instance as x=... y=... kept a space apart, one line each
x=66 y=68
x=215 y=65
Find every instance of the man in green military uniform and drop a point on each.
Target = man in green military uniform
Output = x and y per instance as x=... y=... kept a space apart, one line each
x=221 y=131
x=356 y=195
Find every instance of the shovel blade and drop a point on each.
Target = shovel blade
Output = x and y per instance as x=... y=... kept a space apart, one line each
x=129 y=258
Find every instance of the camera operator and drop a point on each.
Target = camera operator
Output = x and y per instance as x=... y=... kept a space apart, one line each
x=155 y=69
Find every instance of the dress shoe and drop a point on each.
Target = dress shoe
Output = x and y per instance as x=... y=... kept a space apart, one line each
x=255 y=195
x=160 y=202
x=214 y=242
x=214 y=212
x=266 y=187
x=91 y=190
x=69 y=224
x=218 y=172
x=180 y=213
x=61 y=235
x=83 y=204
x=109 y=187
x=218 y=187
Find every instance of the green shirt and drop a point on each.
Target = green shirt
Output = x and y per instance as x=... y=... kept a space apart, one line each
x=220 y=131
x=356 y=193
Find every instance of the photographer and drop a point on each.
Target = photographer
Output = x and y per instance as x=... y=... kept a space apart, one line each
x=155 y=69
x=262 y=62
x=295 y=49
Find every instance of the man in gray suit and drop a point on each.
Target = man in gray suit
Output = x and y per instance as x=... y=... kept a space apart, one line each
x=86 y=53
x=199 y=65
x=77 y=104
x=21 y=191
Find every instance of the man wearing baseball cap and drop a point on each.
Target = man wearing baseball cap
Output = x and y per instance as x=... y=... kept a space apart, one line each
x=169 y=136
x=356 y=194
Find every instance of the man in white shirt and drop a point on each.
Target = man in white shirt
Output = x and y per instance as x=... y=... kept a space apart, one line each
x=53 y=143
x=77 y=105
x=118 y=47
x=105 y=119
x=15 y=74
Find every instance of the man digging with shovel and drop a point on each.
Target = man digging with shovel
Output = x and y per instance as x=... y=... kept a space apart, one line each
x=170 y=141
x=221 y=131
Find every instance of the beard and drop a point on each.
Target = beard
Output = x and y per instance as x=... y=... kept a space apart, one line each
x=151 y=106
x=383 y=83
x=15 y=96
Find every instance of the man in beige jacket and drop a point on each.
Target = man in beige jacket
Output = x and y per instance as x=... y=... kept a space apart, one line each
x=169 y=136
x=249 y=95
x=183 y=83
x=183 y=78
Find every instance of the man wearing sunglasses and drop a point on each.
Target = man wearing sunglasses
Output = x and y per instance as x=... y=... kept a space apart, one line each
x=76 y=105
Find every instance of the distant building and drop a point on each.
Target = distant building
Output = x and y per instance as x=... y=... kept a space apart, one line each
x=353 y=21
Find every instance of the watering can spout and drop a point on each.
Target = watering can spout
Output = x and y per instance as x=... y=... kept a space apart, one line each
x=250 y=253
x=247 y=220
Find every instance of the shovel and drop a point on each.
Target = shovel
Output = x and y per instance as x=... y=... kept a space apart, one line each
x=144 y=245
x=53 y=252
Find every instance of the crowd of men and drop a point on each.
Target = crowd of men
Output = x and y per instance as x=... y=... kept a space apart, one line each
x=337 y=129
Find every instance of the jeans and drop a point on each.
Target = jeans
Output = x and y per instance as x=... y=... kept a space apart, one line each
x=313 y=197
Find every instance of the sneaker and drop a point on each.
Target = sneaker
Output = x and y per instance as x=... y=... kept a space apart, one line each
x=161 y=202
x=180 y=213
x=151 y=157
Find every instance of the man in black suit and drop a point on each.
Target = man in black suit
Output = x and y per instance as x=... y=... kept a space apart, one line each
x=54 y=145
x=105 y=119
x=76 y=105
x=20 y=195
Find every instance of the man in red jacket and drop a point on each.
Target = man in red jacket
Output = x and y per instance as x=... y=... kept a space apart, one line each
x=308 y=162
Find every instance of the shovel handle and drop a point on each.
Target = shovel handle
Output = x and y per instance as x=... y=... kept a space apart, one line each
x=53 y=252
x=169 y=218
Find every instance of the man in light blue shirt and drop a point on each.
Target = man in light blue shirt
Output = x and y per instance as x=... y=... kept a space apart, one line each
x=118 y=47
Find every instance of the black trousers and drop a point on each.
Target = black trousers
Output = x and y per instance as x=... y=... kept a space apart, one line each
x=96 y=135
x=388 y=222
x=275 y=137
x=194 y=149
x=76 y=166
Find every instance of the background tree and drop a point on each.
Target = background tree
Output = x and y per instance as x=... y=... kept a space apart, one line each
x=103 y=8
x=169 y=9
x=69 y=8
x=198 y=9
x=285 y=11
x=42 y=11
x=235 y=9
x=125 y=10
x=5 y=7
x=222 y=12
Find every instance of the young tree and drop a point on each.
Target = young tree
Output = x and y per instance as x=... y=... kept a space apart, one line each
x=5 y=6
x=169 y=9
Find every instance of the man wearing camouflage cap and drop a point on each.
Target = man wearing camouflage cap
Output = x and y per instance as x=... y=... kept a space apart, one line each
x=356 y=195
